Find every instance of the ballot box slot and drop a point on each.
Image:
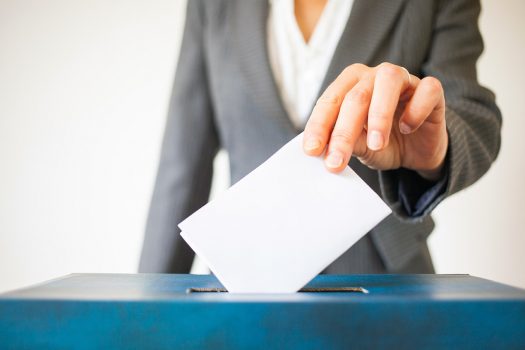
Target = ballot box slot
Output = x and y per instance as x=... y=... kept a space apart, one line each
x=303 y=290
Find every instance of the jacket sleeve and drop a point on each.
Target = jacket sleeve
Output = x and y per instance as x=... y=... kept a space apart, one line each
x=473 y=119
x=186 y=162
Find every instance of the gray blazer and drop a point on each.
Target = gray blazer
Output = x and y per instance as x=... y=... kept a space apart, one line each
x=225 y=96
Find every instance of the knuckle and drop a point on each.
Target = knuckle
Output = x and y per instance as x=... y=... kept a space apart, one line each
x=358 y=66
x=390 y=70
x=353 y=68
x=378 y=115
x=342 y=137
x=328 y=98
x=347 y=71
x=384 y=64
x=316 y=126
x=433 y=84
x=358 y=95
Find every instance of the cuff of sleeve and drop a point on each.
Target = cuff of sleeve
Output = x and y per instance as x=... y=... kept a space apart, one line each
x=417 y=194
x=410 y=196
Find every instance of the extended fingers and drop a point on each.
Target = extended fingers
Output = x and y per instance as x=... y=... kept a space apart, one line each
x=324 y=115
x=427 y=97
x=349 y=124
x=365 y=97
x=390 y=82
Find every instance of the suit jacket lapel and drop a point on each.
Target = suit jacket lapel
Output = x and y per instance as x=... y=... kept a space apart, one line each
x=250 y=19
x=367 y=27
x=369 y=23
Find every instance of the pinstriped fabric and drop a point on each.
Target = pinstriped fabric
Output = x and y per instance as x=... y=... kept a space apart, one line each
x=398 y=242
x=224 y=93
x=368 y=25
x=180 y=190
x=361 y=258
x=473 y=119
x=249 y=30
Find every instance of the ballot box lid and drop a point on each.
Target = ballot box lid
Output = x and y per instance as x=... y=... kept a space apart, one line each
x=324 y=288
x=332 y=311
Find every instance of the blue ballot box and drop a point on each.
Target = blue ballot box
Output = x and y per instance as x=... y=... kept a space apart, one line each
x=155 y=311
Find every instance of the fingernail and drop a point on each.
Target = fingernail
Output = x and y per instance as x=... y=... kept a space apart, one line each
x=404 y=128
x=334 y=160
x=375 y=140
x=312 y=144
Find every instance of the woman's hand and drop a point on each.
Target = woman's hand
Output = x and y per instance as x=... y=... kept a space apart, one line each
x=384 y=116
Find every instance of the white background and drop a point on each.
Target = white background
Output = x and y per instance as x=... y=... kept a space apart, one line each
x=84 y=88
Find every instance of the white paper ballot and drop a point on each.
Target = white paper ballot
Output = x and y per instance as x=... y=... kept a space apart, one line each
x=282 y=224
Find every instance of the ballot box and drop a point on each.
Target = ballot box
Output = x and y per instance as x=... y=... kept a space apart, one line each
x=161 y=311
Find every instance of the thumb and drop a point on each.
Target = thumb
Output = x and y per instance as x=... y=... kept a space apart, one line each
x=361 y=149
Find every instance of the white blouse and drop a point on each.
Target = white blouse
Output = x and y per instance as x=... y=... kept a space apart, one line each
x=298 y=67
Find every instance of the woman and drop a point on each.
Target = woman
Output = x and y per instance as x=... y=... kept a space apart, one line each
x=252 y=75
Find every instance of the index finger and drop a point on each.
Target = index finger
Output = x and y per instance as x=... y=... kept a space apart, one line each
x=324 y=115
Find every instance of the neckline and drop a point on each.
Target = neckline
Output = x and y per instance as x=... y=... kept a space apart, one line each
x=296 y=32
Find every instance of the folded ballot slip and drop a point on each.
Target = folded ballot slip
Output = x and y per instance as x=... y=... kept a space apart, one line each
x=283 y=223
